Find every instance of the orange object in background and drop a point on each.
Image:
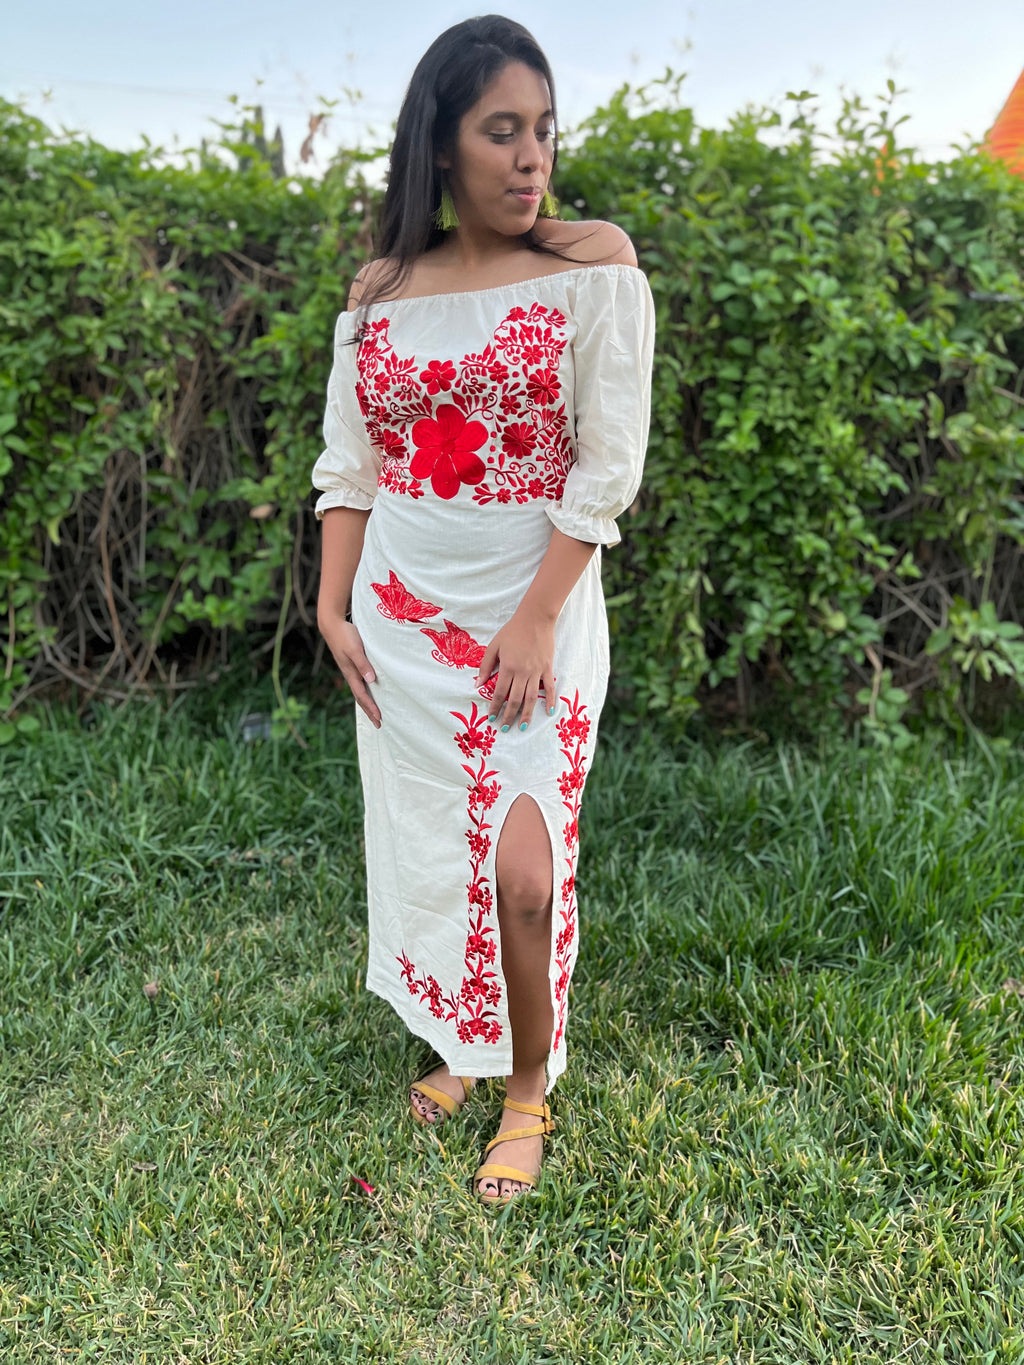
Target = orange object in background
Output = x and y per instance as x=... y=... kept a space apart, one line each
x=1005 y=140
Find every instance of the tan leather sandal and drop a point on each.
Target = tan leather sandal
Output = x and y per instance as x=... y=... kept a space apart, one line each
x=509 y=1172
x=439 y=1097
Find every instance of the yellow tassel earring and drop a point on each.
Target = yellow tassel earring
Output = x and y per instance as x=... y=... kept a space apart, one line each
x=446 y=218
x=548 y=206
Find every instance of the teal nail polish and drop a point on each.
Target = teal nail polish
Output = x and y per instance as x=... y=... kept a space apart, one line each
x=551 y=710
x=524 y=725
x=504 y=729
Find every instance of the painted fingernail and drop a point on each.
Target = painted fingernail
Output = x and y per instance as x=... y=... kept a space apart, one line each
x=551 y=710
x=504 y=729
x=524 y=725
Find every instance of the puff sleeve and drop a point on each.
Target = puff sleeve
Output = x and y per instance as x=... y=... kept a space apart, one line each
x=613 y=355
x=347 y=471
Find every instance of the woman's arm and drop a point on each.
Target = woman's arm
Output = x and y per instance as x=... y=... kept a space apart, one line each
x=524 y=648
x=341 y=547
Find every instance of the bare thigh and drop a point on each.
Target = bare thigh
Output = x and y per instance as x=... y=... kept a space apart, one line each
x=523 y=863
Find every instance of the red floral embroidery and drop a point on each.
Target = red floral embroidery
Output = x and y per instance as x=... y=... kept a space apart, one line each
x=501 y=430
x=473 y=1008
x=518 y=440
x=573 y=731
x=543 y=388
x=446 y=450
x=398 y=604
x=438 y=376
x=455 y=647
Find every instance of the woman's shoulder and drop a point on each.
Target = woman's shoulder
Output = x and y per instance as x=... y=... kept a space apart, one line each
x=367 y=279
x=591 y=242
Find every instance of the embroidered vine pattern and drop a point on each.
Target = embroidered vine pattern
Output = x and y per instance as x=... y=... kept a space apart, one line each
x=573 y=731
x=474 y=1007
x=493 y=421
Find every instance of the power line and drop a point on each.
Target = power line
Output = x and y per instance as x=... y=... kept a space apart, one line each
x=276 y=99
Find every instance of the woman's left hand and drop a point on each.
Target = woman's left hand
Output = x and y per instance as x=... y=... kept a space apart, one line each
x=523 y=651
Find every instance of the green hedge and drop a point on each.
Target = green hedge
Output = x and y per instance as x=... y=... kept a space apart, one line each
x=833 y=506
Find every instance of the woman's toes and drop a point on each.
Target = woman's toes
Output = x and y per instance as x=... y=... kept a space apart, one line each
x=426 y=1108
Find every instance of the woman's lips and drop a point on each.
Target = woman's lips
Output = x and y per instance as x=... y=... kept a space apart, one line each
x=526 y=196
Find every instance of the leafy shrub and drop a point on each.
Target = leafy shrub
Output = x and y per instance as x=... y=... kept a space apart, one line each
x=162 y=366
x=833 y=503
x=837 y=450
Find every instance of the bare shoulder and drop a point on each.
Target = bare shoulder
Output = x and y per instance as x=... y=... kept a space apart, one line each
x=368 y=276
x=593 y=242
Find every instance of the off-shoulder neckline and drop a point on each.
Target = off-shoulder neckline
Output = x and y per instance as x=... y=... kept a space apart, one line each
x=532 y=282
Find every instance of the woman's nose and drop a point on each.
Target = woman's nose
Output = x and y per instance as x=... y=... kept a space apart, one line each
x=531 y=153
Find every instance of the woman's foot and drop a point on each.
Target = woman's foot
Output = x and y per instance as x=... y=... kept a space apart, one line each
x=429 y=1110
x=524 y=1154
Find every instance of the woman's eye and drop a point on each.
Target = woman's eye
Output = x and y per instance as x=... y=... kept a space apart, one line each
x=546 y=133
x=502 y=137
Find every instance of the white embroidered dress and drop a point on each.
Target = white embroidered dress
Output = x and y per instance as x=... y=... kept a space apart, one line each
x=471 y=423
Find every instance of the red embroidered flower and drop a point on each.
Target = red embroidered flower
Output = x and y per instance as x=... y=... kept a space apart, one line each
x=536 y=488
x=576 y=726
x=480 y=946
x=487 y=1029
x=398 y=604
x=476 y=735
x=479 y=845
x=542 y=386
x=518 y=440
x=438 y=375
x=483 y=794
x=446 y=450
x=392 y=447
x=515 y=314
x=455 y=647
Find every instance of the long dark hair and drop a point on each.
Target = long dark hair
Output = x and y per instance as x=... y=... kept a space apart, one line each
x=449 y=79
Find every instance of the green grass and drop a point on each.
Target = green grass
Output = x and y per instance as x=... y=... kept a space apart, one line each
x=790 y=1130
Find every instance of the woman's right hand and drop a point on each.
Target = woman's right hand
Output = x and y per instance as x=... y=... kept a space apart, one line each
x=344 y=642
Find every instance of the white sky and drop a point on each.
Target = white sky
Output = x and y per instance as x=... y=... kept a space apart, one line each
x=118 y=69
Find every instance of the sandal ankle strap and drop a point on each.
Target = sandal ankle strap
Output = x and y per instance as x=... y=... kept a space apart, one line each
x=540 y=1110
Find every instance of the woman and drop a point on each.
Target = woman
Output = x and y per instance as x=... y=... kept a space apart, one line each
x=486 y=422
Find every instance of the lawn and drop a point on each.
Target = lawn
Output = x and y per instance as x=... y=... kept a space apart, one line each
x=790 y=1130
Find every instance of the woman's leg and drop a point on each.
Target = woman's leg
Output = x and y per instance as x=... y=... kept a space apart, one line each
x=523 y=875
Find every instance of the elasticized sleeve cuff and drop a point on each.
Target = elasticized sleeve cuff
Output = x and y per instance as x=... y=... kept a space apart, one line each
x=342 y=497
x=593 y=530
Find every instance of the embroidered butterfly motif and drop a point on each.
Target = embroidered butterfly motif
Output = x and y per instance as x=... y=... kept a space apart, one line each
x=398 y=604
x=455 y=647
x=486 y=689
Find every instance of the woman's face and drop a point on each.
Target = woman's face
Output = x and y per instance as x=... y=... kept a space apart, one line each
x=503 y=153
